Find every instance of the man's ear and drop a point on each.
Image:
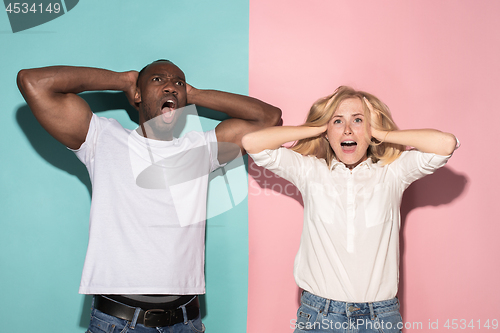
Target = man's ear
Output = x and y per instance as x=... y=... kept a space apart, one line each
x=137 y=97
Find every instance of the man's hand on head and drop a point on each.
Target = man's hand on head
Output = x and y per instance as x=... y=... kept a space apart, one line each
x=131 y=78
x=190 y=91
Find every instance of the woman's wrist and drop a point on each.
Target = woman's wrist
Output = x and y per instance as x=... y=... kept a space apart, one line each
x=380 y=136
x=315 y=130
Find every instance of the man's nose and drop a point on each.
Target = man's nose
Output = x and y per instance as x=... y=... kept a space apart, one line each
x=170 y=87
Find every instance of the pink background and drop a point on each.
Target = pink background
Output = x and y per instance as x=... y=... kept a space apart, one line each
x=437 y=65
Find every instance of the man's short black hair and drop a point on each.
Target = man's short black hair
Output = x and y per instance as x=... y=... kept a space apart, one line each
x=144 y=68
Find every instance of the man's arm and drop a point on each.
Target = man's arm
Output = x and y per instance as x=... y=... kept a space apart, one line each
x=247 y=114
x=51 y=93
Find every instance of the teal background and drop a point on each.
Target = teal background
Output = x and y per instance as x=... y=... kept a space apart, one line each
x=45 y=196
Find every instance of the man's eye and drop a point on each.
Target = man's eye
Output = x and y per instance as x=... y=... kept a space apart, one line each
x=180 y=83
x=157 y=79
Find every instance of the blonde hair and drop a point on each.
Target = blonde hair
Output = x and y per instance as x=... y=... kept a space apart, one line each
x=323 y=110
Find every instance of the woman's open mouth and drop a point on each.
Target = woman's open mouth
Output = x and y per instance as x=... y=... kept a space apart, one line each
x=348 y=146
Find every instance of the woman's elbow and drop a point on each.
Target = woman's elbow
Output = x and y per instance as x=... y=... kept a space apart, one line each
x=450 y=143
x=248 y=141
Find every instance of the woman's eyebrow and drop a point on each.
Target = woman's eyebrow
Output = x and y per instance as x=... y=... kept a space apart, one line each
x=354 y=115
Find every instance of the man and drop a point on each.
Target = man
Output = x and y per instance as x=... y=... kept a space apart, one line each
x=145 y=256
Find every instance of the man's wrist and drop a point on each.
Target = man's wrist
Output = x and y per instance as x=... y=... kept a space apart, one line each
x=127 y=80
x=192 y=95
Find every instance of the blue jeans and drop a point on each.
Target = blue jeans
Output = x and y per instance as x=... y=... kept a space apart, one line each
x=317 y=314
x=103 y=323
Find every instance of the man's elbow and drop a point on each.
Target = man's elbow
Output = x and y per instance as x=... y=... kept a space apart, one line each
x=26 y=81
x=22 y=79
x=273 y=117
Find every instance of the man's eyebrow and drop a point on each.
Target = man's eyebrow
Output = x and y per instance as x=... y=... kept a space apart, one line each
x=165 y=75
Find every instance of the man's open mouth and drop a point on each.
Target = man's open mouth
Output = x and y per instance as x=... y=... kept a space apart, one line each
x=169 y=104
x=168 y=110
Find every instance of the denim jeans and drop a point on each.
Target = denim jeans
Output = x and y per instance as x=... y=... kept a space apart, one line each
x=103 y=323
x=317 y=314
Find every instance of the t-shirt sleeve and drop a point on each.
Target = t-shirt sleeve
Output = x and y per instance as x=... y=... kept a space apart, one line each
x=287 y=164
x=86 y=152
x=211 y=140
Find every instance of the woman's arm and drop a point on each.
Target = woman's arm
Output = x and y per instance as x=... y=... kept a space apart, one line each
x=424 y=140
x=274 y=137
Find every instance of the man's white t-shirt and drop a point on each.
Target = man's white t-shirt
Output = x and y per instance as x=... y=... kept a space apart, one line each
x=147 y=217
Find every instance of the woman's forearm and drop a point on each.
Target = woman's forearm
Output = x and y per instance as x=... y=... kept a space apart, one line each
x=274 y=137
x=425 y=140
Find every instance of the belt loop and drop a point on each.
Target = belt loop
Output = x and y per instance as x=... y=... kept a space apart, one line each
x=372 y=312
x=134 y=319
x=327 y=305
x=184 y=313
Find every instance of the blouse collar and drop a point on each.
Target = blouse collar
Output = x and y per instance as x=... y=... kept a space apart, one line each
x=368 y=163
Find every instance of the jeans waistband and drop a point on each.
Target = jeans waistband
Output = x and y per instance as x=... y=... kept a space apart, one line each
x=349 y=308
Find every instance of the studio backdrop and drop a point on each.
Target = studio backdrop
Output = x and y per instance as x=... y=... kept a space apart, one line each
x=434 y=63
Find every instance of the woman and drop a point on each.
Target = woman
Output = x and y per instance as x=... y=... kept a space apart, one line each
x=351 y=165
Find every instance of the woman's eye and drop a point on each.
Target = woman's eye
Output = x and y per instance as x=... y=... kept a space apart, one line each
x=337 y=121
x=358 y=120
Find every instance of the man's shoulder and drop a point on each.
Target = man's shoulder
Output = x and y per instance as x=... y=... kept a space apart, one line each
x=197 y=136
x=105 y=120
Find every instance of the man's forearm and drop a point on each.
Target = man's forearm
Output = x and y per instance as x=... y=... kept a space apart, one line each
x=66 y=79
x=235 y=106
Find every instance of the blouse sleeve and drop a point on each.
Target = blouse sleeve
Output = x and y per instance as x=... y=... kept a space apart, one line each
x=413 y=165
x=288 y=164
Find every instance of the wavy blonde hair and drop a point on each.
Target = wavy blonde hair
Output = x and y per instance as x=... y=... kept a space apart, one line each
x=323 y=110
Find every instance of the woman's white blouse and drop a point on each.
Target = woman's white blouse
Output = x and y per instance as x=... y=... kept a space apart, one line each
x=349 y=248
